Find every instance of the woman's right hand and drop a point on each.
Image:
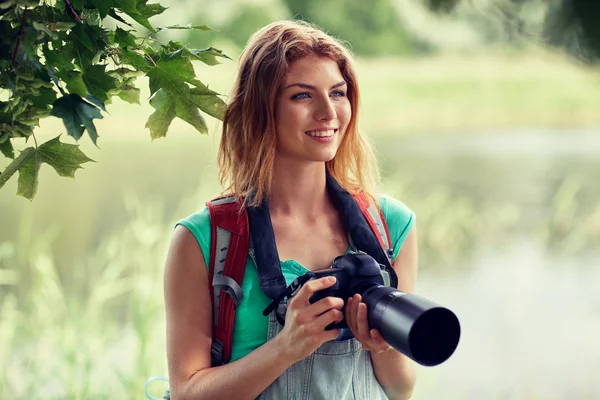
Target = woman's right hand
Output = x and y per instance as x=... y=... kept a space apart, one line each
x=305 y=323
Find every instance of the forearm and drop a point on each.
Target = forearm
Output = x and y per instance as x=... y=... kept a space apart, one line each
x=245 y=378
x=395 y=373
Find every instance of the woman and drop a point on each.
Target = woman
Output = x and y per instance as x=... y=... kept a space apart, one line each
x=291 y=123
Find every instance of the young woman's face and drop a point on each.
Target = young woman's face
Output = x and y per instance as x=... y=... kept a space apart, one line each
x=313 y=110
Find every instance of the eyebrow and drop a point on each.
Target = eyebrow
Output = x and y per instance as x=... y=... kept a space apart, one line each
x=307 y=86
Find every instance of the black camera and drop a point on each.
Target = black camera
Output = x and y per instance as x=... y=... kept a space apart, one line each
x=419 y=328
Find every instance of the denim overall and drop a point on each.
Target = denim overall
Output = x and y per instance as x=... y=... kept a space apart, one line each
x=339 y=370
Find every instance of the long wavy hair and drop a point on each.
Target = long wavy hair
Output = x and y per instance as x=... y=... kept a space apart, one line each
x=248 y=144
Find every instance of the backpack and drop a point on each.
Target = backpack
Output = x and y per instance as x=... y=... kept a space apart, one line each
x=231 y=244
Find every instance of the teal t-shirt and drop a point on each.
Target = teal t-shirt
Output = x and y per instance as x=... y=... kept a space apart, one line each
x=250 y=326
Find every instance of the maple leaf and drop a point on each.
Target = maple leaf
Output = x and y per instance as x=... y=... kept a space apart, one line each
x=171 y=71
x=64 y=158
x=168 y=106
x=98 y=82
x=139 y=11
x=77 y=115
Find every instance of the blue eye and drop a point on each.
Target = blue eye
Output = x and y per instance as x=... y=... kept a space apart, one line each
x=338 y=93
x=302 y=95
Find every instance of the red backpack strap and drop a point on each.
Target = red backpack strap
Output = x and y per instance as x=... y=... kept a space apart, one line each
x=229 y=249
x=376 y=220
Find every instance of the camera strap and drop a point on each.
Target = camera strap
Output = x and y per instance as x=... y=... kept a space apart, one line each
x=361 y=232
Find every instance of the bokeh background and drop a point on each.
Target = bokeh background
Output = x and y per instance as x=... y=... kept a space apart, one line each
x=484 y=118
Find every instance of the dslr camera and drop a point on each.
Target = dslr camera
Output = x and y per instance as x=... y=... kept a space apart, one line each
x=417 y=327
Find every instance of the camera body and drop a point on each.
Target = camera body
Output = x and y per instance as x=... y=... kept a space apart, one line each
x=355 y=272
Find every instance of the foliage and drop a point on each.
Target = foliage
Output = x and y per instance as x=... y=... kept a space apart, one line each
x=60 y=59
x=371 y=27
x=568 y=24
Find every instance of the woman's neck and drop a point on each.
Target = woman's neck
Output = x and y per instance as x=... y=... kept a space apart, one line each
x=298 y=188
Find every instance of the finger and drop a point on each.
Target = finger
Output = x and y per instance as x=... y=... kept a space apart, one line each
x=379 y=341
x=310 y=287
x=349 y=315
x=325 y=304
x=355 y=303
x=362 y=323
x=327 y=336
x=327 y=318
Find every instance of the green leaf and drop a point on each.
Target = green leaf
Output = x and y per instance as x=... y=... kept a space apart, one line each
x=135 y=59
x=77 y=115
x=124 y=38
x=170 y=72
x=64 y=158
x=61 y=26
x=43 y=28
x=168 y=106
x=124 y=73
x=62 y=60
x=27 y=185
x=188 y=26
x=149 y=10
x=130 y=94
x=95 y=101
x=16 y=129
x=7 y=149
x=74 y=81
x=98 y=82
x=116 y=16
x=28 y=174
x=139 y=11
x=88 y=41
x=46 y=97
x=209 y=103
x=103 y=7
x=209 y=55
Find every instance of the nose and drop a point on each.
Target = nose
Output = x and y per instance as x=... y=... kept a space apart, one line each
x=325 y=110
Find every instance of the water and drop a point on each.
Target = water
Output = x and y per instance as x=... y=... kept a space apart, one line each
x=530 y=328
x=530 y=307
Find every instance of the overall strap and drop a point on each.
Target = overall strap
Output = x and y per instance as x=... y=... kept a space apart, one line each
x=229 y=249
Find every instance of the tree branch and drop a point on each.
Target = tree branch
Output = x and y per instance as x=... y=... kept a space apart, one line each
x=72 y=11
x=19 y=37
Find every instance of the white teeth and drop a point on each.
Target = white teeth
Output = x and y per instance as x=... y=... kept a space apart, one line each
x=321 y=133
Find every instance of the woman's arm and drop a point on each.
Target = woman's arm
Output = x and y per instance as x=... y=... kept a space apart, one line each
x=394 y=371
x=189 y=331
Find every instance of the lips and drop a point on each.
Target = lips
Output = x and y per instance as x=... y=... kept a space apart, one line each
x=321 y=133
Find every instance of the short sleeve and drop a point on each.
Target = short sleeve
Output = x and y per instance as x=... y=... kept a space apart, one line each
x=199 y=224
x=399 y=219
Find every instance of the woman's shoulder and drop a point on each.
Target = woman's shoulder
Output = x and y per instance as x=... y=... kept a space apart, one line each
x=198 y=220
x=198 y=224
x=395 y=210
x=399 y=219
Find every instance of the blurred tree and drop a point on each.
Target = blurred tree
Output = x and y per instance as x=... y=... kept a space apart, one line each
x=247 y=20
x=371 y=27
x=569 y=24
x=236 y=22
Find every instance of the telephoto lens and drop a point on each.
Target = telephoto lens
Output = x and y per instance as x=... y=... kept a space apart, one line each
x=417 y=327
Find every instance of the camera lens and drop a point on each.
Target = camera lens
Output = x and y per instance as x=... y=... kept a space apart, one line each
x=415 y=326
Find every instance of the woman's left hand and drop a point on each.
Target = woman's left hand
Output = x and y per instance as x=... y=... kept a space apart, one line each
x=356 y=318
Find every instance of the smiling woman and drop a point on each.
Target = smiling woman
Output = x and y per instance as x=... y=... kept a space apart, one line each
x=312 y=114
x=297 y=168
